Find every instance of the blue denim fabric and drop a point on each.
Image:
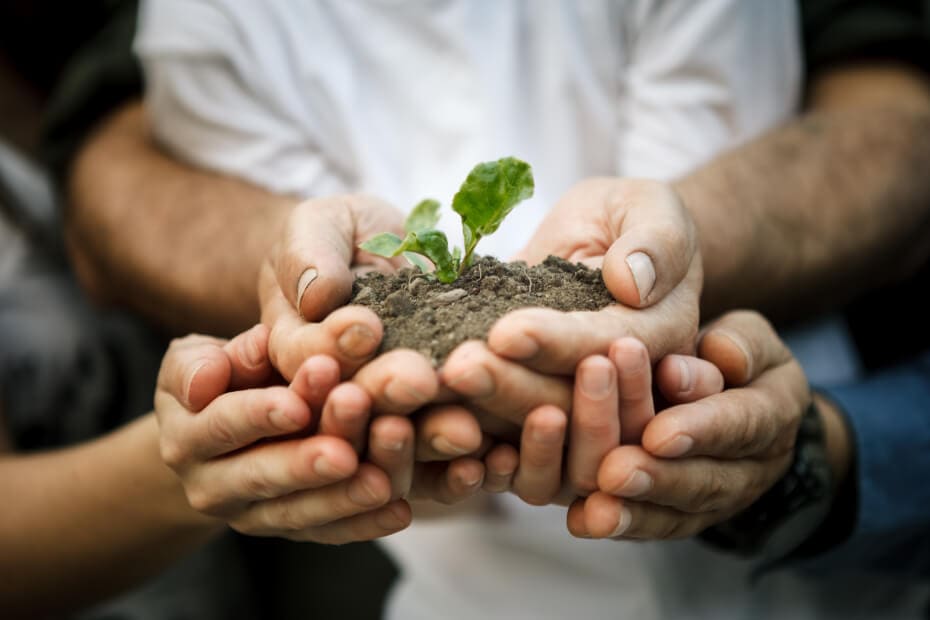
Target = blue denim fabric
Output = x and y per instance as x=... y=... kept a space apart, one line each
x=889 y=416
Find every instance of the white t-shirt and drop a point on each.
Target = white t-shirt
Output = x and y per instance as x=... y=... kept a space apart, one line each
x=400 y=99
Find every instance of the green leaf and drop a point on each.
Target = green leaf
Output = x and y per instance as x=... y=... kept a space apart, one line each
x=416 y=261
x=490 y=192
x=385 y=244
x=423 y=217
x=435 y=246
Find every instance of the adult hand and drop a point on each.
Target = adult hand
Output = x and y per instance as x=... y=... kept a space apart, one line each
x=309 y=274
x=302 y=488
x=640 y=235
x=702 y=462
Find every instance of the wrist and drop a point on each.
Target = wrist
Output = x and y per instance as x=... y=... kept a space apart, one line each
x=163 y=494
x=786 y=516
x=836 y=438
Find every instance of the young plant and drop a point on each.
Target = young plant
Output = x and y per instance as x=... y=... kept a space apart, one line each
x=487 y=196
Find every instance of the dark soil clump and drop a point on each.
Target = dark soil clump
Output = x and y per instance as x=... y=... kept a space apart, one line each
x=425 y=315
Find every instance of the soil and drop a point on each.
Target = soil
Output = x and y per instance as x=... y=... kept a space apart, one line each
x=425 y=315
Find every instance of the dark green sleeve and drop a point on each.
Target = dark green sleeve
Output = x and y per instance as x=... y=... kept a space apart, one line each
x=101 y=76
x=845 y=31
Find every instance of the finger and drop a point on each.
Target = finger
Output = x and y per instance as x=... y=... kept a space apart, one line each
x=606 y=516
x=390 y=447
x=685 y=379
x=595 y=422
x=229 y=423
x=655 y=245
x=398 y=382
x=575 y=519
x=272 y=470
x=742 y=345
x=697 y=484
x=194 y=371
x=539 y=475
x=351 y=335
x=446 y=432
x=313 y=262
x=346 y=414
x=500 y=387
x=554 y=342
x=250 y=365
x=369 y=488
x=756 y=421
x=315 y=379
x=448 y=482
x=378 y=523
x=500 y=465
x=634 y=375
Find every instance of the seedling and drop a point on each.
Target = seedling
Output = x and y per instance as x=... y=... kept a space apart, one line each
x=487 y=196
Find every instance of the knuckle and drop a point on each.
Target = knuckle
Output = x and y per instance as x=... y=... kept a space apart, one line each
x=592 y=428
x=174 y=453
x=285 y=517
x=219 y=431
x=247 y=527
x=710 y=493
x=255 y=483
x=671 y=528
x=537 y=459
x=204 y=501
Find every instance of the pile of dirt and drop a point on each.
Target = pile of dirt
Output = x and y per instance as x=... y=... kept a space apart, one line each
x=425 y=315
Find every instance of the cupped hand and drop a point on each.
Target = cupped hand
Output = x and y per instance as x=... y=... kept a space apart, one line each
x=217 y=413
x=308 y=276
x=640 y=235
x=612 y=402
x=704 y=461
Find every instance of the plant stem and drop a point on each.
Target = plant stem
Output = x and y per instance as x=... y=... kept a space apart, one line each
x=466 y=260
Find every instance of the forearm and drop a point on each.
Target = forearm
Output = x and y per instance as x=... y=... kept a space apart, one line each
x=834 y=203
x=85 y=522
x=180 y=245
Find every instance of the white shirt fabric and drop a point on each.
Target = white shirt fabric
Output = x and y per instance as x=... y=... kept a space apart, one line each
x=400 y=99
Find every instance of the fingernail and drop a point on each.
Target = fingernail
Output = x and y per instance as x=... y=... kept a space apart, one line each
x=348 y=412
x=471 y=479
x=196 y=368
x=596 y=380
x=388 y=519
x=357 y=341
x=402 y=394
x=303 y=283
x=625 y=520
x=282 y=421
x=443 y=446
x=521 y=347
x=362 y=494
x=326 y=469
x=738 y=343
x=678 y=445
x=392 y=445
x=475 y=382
x=637 y=484
x=644 y=273
x=547 y=435
x=685 y=378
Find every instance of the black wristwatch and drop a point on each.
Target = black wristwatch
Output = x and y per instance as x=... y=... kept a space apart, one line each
x=791 y=511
